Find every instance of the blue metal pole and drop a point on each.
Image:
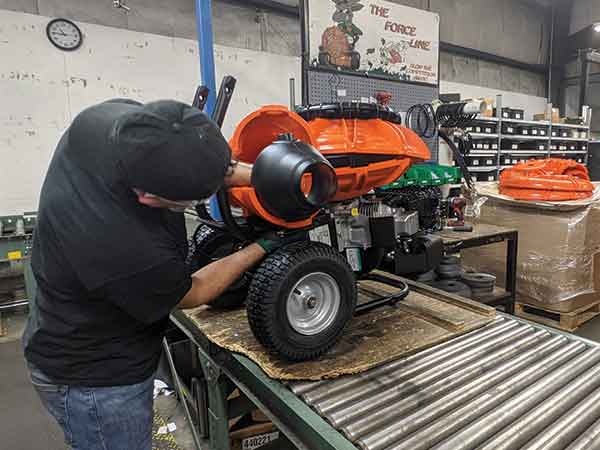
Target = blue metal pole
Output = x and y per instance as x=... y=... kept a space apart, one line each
x=206 y=48
x=207 y=69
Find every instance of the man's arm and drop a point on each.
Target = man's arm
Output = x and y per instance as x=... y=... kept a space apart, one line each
x=212 y=280
x=240 y=175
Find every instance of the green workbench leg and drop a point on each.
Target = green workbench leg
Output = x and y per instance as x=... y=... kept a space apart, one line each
x=218 y=391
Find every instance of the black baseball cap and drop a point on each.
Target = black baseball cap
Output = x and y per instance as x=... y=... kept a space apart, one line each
x=172 y=150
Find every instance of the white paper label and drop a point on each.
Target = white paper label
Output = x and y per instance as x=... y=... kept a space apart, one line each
x=255 y=442
x=353 y=257
x=341 y=93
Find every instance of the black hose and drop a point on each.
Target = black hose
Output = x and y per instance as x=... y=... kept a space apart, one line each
x=422 y=120
x=227 y=215
x=458 y=157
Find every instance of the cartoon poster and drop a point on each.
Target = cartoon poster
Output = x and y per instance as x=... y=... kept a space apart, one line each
x=374 y=37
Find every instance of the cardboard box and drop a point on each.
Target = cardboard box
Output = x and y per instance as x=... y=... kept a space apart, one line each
x=559 y=248
x=544 y=116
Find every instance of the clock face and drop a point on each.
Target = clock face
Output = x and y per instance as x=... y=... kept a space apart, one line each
x=64 y=34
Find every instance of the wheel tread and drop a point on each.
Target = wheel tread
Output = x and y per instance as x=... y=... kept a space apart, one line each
x=260 y=301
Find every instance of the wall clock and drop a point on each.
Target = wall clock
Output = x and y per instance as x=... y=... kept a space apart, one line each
x=64 y=34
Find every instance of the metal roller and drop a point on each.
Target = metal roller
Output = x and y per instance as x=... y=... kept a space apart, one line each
x=404 y=404
x=494 y=421
x=565 y=430
x=531 y=424
x=451 y=423
x=300 y=387
x=589 y=440
x=435 y=381
x=372 y=392
x=503 y=387
x=391 y=433
x=426 y=358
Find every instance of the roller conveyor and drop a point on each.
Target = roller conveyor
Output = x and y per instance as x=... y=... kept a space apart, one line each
x=510 y=385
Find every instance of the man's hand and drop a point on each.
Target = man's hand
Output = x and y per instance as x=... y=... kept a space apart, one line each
x=274 y=240
x=239 y=175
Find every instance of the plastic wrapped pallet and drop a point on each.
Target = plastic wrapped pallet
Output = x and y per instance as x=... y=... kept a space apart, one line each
x=559 y=248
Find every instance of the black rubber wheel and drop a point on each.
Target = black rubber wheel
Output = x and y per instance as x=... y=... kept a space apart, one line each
x=450 y=260
x=479 y=280
x=208 y=245
x=454 y=287
x=450 y=275
x=300 y=299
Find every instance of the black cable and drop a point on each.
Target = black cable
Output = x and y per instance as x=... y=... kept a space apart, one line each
x=451 y=115
x=458 y=157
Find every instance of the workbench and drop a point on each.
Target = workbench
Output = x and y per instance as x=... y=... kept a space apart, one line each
x=484 y=234
x=504 y=383
x=15 y=263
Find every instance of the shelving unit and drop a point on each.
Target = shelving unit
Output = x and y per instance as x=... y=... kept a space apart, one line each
x=502 y=140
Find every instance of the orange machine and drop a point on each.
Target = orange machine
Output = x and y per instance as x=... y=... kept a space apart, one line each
x=548 y=179
x=366 y=153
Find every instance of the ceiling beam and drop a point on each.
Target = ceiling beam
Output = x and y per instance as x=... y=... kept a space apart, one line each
x=490 y=57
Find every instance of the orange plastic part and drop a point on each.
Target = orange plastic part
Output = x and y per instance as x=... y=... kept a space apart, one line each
x=547 y=180
x=400 y=146
x=368 y=137
x=260 y=128
x=246 y=197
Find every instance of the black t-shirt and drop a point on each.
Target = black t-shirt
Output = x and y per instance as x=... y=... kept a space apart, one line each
x=107 y=337
x=108 y=269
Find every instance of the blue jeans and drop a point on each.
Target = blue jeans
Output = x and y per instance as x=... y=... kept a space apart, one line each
x=100 y=418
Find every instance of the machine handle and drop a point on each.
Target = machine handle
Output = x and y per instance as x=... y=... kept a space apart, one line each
x=201 y=97
x=223 y=99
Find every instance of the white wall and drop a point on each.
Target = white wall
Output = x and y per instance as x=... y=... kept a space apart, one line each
x=42 y=88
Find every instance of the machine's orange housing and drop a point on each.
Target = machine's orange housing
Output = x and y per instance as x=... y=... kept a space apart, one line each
x=547 y=180
x=397 y=145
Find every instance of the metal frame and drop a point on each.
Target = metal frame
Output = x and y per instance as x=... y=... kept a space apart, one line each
x=301 y=425
x=586 y=57
x=511 y=237
x=224 y=371
x=23 y=244
x=490 y=57
x=207 y=70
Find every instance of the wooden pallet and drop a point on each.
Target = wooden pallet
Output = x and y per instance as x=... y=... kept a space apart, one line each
x=567 y=321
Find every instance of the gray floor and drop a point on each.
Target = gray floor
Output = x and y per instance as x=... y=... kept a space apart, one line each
x=25 y=424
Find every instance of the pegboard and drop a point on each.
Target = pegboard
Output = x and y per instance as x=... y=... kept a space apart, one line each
x=323 y=87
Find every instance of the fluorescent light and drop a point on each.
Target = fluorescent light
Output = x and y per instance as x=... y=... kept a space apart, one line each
x=597 y=27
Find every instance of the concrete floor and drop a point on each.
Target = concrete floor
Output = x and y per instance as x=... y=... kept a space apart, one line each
x=26 y=425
